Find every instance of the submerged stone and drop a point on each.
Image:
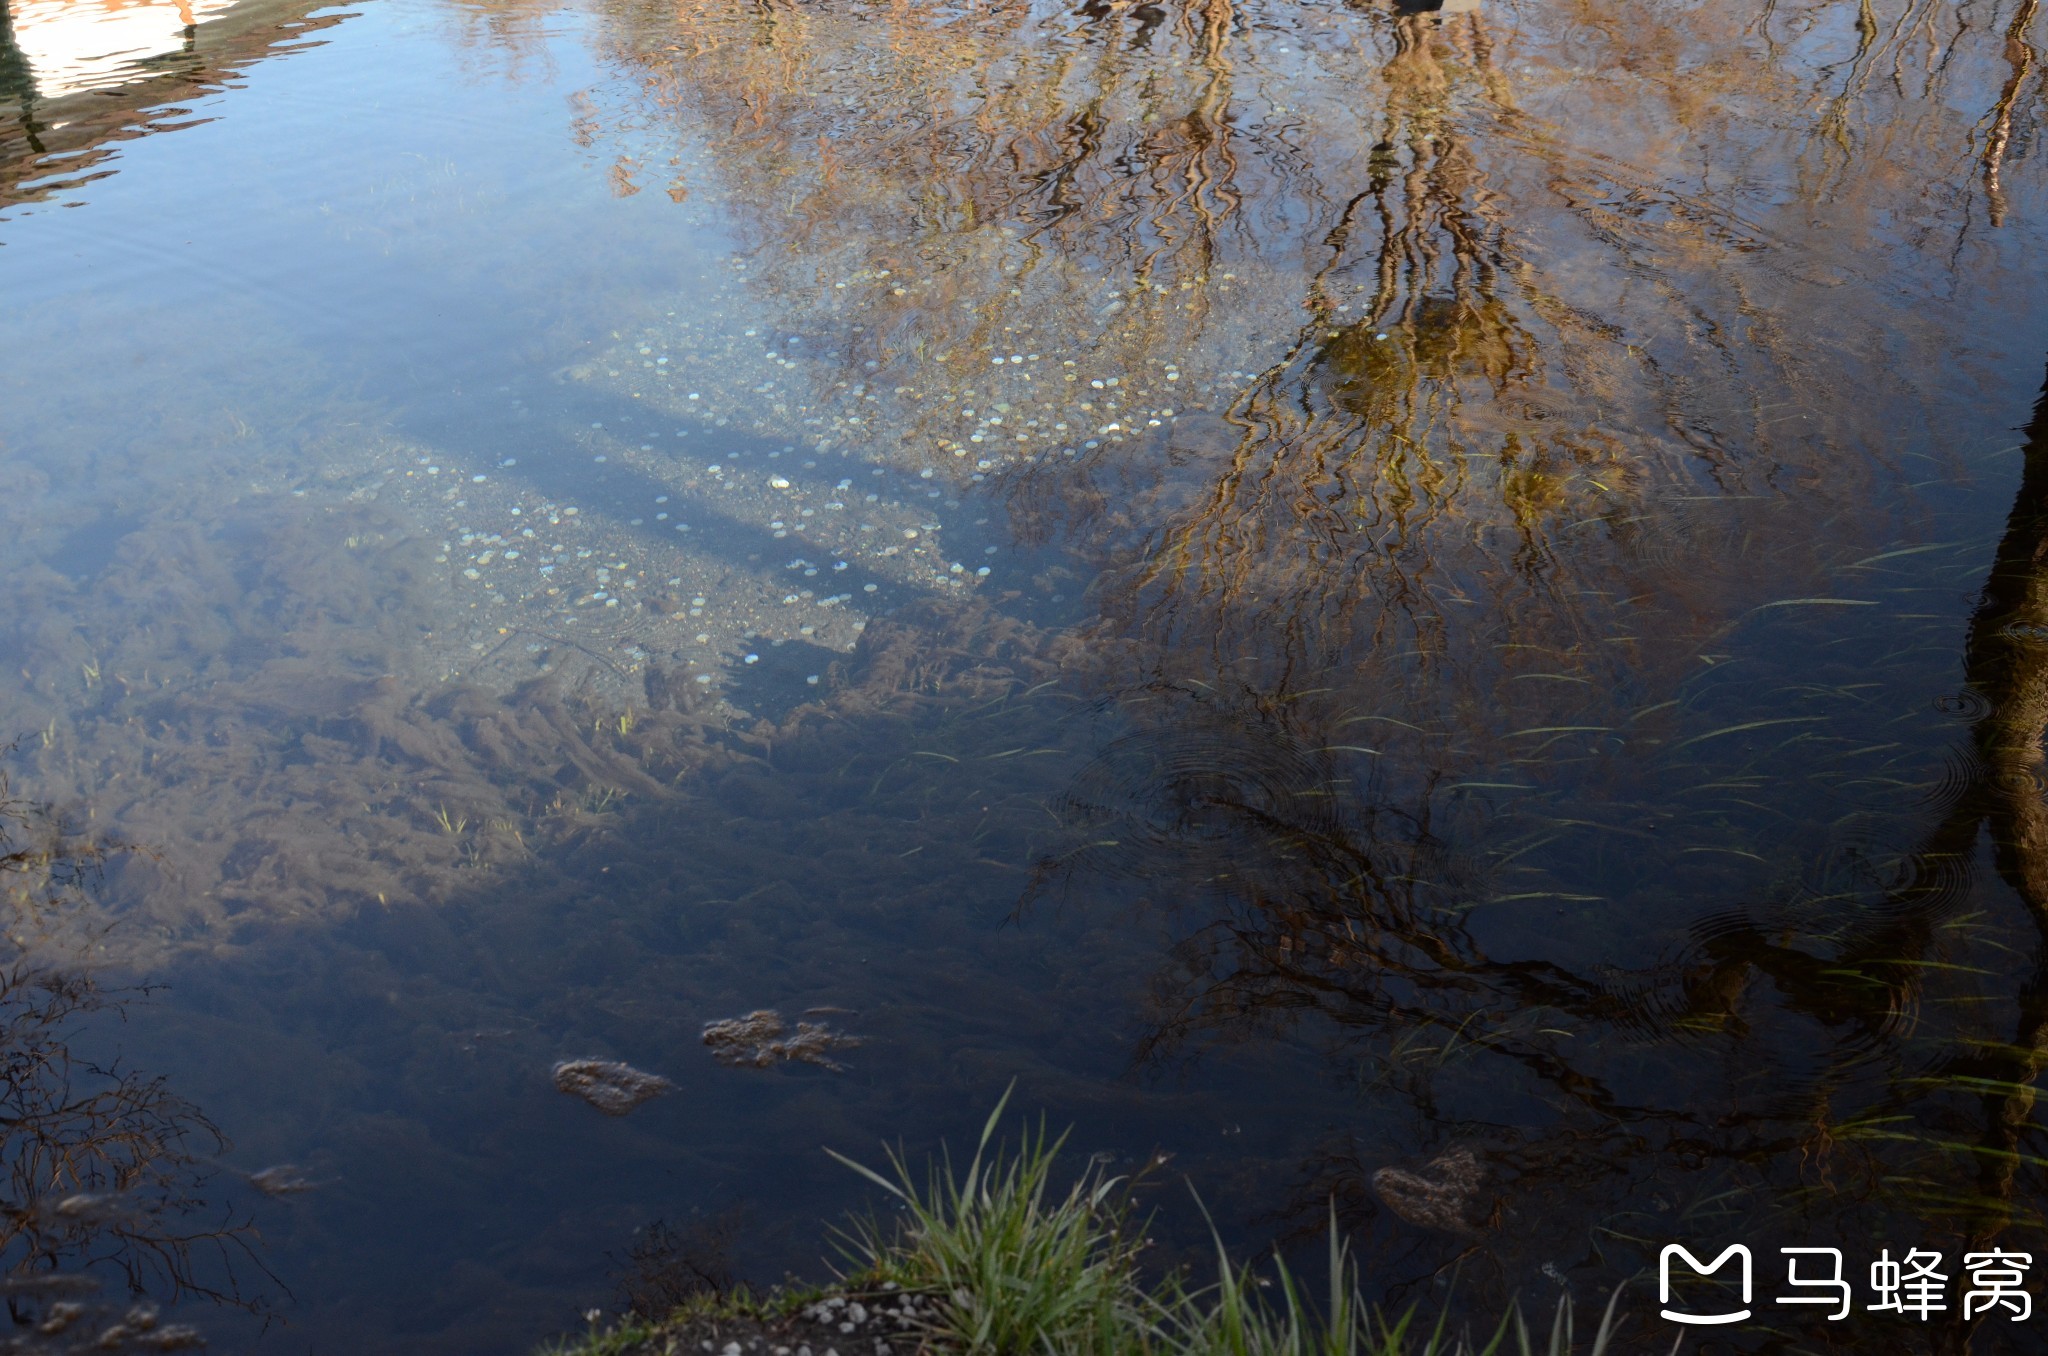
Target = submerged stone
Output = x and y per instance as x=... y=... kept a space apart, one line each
x=608 y=1085
x=1443 y=1199
x=762 y=1038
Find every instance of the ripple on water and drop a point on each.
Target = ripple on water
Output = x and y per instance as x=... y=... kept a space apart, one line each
x=1966 y=704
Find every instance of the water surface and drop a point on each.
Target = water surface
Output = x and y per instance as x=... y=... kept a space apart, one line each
x=1320 y=587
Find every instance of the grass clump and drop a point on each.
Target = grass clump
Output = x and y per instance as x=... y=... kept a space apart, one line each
x=1007 y=1263
x=1234 y=1317
x=1014 y=1266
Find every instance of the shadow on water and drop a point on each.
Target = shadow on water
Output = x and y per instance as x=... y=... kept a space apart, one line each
x=861 y=865
x=112 y=1197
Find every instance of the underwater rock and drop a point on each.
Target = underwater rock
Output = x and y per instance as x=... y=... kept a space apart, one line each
x=608 y=1085
x=762 y=1038
x=1443 y=1199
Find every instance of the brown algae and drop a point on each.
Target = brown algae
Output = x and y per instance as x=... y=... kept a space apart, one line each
x=762 y=1039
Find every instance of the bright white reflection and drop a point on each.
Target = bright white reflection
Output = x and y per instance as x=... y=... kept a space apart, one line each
x=73 y=45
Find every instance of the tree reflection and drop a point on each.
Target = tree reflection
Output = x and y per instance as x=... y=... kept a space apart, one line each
x=106 y=1172
x=1829 y=1060
x=2022 y=59
x=2006 y=663
x=1474 y=332
x=1442 y=332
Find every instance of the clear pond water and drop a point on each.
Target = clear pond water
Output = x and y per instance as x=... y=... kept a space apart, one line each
x=1436 y=612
